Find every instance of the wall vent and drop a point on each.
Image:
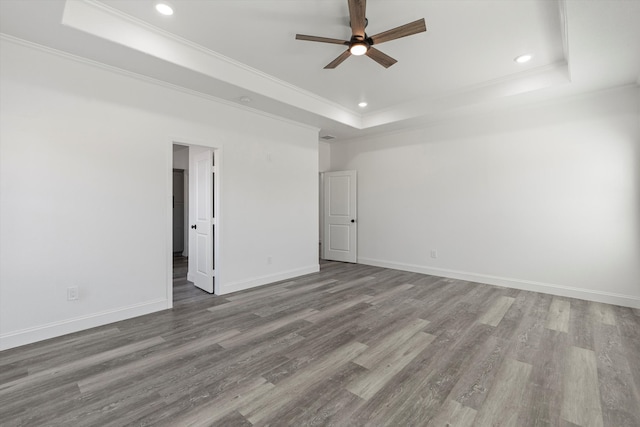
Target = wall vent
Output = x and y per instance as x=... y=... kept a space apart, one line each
x=328 y=137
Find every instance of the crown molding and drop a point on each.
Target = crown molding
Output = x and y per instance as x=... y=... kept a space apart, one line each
x=498 y=107
x=146 y=79
x=514 y=84
x=107 y=23
x=110 y=24
x=102 y=21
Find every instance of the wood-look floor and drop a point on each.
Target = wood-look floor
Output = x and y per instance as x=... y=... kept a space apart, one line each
x=352 y=345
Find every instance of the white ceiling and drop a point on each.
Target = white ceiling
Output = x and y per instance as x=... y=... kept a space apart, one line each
x=462 y=64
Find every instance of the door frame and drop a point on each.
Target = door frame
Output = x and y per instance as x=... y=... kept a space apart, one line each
x=217 y=149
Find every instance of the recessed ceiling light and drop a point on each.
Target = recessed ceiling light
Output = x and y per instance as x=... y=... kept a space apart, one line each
x=362 y=104
x=523 y=58
x=164 y=8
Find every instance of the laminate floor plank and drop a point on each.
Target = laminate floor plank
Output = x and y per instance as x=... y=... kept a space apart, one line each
x=559 y=314
x=51 y=374
x=11 y=372
x=497 y=311
x=32 y=409
x=418 y=391
x=201 y=375
x=259 y=331
x=523 y=304
x=504 y=401
x=629 y=330
x=581 y=323
x=454 y=414
x=545 y=392
x=531 y=331
x=383 y=347
x=206 y=325
x=367 y=385
x=336 y=309
x=618 y=394
x=359 y=282
x=299 y=301
x=53 y=350
x=294 y=386
x=518 y=321
x=460 y=316
x=603 y=313
x=581 y=396
x=214 y=409
x=299 y=360
x=439 y=307
x=474 y=384
x=119 y=396
x=348 y=321
x=200 y=372
x=423 y=281
x=480 y=298
x=246 y=302
x=428 y=290
x=260 y=292
x=388 y=294
x=350 y=345
x=378 y=321
x=316 y=408
x=125 y=372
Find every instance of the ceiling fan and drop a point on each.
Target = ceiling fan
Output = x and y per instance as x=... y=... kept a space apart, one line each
x=361 y=43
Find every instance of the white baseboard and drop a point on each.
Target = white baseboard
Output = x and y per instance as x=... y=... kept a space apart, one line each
x=56 y=329
x=270 y=278
x=525 y=285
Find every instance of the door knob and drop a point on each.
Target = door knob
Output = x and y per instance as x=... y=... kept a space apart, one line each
x=353 y=220
x=194 y=226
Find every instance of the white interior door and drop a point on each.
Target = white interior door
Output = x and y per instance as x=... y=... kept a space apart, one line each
x=203 y=221
x=340 y=219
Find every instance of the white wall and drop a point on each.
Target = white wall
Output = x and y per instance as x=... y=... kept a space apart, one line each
x=544 y=198
x=85 y=200
x=324 y=156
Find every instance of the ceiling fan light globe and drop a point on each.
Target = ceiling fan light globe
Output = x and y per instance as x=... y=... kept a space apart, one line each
x=358 y=49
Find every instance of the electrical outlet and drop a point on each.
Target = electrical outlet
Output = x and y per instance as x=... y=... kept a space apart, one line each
x=269 y=260
x=434 y=253
x=72 y=293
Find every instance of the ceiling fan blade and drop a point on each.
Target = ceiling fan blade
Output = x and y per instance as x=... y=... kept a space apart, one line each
x=357 y=12
x=339 y=60
x=381 y=58
x=405 y=30
x=321 y=39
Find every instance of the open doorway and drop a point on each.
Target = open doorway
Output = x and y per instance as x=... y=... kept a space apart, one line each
x=179 y=213
x=195 y=222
